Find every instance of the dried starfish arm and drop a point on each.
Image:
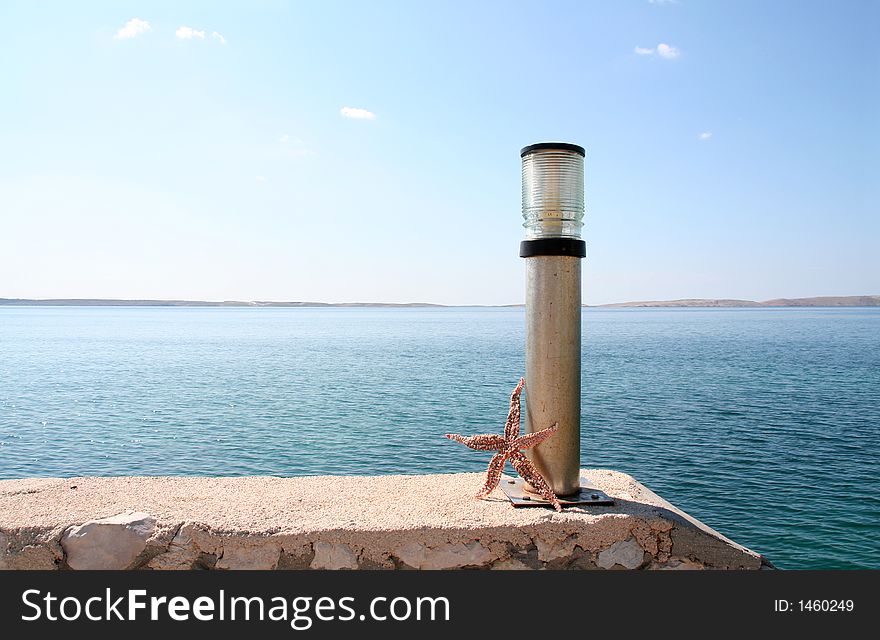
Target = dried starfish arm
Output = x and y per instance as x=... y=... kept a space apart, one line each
x=527 y=471
x=531 y=439
x=483 y=442
x=493 y=475
x=511 y=427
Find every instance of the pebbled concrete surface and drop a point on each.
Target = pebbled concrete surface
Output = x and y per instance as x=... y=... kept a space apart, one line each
x=374 y=522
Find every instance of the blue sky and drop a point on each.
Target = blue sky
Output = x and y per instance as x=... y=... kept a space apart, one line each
x=732 y=147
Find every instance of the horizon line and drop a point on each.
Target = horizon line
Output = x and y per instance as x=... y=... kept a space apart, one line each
x=814 y=301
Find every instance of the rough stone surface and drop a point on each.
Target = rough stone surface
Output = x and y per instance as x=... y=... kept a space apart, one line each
x=33 y=557
x=447 y=556
x=334 y=556
x=712 y=552
x=511 y=564
x=627 y=553
x=249 y=556
x=181 y=552
x=109 y=543
x=678 y=564
x=385 y=522
x=555 y=548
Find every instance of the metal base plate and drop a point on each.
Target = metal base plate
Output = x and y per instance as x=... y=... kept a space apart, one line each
x=514 y=489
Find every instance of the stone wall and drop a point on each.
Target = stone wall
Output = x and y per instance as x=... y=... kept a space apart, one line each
x=332 y=522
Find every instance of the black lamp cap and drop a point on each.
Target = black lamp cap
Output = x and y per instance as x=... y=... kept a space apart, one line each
x=558 y=146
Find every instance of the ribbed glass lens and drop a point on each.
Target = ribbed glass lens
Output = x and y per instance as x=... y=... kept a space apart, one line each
x=552 y=193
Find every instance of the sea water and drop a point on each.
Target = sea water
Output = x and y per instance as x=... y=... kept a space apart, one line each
x=763 y=423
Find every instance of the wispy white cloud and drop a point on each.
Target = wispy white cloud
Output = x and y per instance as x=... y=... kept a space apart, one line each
x=667 y=51
x=285 y=138
x=188 y=33
x=260 y=178
x=357 y=113
x=219 y=37
x=663 y=50
x=705 y=135
x=132 y=28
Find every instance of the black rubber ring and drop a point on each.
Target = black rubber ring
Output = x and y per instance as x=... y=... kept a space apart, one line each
x=553 y=247
x=553 y=146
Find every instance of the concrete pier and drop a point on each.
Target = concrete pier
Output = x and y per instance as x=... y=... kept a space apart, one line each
x=344 y=522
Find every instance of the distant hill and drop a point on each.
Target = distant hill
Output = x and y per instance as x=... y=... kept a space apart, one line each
x=825 y=301
x=822 y=301
x=688 y=302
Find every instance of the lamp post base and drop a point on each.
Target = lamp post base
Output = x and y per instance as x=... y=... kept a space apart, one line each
x=519 y=496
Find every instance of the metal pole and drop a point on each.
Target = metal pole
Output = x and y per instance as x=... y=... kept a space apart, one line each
x=553 y=208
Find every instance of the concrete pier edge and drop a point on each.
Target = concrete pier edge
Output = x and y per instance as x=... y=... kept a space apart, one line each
x=344 y=522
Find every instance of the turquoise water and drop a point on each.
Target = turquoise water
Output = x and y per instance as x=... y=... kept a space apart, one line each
x=763 y=423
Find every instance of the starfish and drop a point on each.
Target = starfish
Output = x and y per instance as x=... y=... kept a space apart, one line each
x=509 y=448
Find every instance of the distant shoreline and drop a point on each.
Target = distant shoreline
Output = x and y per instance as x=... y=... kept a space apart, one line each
x=708 y=303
